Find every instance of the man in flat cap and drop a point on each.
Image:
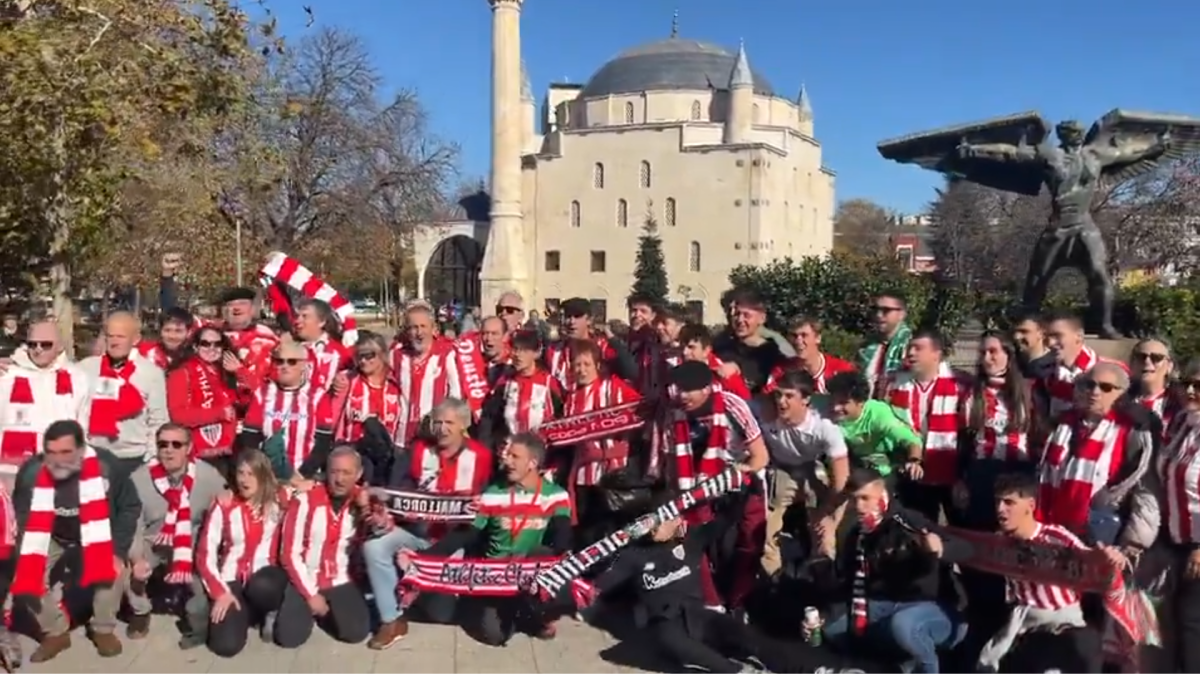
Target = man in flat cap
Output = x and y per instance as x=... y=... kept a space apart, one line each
x=252 y=341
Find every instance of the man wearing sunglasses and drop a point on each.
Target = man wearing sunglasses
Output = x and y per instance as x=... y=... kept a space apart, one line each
x=40 y=386
x=885 y=354
x=176 y=492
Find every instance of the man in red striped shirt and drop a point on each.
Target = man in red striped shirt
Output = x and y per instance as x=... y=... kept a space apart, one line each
x=1034 y=607
x=805 y=335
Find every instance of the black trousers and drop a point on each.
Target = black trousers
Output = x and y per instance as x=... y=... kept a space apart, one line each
x=1075 y=650
x=348 y=619
x=718 y=643
x=495 y=620
x=1187 y=621
x=261 y=594
x=596 y=520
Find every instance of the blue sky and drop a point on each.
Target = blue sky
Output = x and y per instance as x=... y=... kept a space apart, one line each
x=874 y=69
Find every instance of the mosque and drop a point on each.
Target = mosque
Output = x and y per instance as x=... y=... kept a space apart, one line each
x=679 y=132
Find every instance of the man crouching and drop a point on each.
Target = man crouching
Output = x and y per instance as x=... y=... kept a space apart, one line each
x=72 y=502
x=176 y=492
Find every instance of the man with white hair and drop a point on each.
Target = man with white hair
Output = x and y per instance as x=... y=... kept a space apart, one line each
x=426 y=367
x=40 y=386
x=73 y=500
x=128 y=395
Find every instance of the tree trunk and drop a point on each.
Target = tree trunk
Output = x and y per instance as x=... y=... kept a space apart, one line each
x=59 y=220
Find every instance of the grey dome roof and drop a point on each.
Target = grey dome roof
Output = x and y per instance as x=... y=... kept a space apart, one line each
x=673 y=63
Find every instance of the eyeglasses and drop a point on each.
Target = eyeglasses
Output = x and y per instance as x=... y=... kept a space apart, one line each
x=1190 y=384
x=285 y=362
x=882 y=309
x=366 y=356
x=163 y=444
x=35 y=345
x=505 y=309
x=1152 y=357
x=1092 y=385
x=209 y=344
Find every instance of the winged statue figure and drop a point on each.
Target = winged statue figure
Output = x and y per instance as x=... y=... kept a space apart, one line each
x=1015 y=154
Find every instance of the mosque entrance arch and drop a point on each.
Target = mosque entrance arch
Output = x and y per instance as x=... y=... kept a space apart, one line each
x=452 y=274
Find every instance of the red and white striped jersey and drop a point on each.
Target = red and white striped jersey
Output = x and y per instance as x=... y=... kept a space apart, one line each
x=318 y=541
x=829 y=366
x=1179 y=469
x=558 y=358
x=995 y=440
x=529 y=400
x=365 y=400
x=326 y=358
x=1044 y=596
x=237 y=542
x=299 y=413
x=466 y=472
x=425 y=381
x=596 y=458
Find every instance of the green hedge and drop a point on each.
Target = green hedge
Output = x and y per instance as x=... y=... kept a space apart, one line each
x=840 y=292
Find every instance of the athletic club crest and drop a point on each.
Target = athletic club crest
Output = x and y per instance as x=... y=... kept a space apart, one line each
x=679 y=552
x=211 y=433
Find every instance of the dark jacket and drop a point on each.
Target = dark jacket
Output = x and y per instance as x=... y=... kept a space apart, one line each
x=756 y=363
x=124 y=506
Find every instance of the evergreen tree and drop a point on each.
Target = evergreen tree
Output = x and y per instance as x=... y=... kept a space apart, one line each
x=650 y=274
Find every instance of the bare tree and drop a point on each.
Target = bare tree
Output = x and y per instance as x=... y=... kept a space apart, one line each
x=863 y=227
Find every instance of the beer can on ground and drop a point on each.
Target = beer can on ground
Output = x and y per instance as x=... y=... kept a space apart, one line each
x=812 y=625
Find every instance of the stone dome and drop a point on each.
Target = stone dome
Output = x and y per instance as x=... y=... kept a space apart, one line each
x=673 y=63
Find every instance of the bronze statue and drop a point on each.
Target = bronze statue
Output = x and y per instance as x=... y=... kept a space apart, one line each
x=1014 y=154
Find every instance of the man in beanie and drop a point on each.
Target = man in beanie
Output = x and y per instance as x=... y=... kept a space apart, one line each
x=705 y=430
x=577 y=325
x=252 y=341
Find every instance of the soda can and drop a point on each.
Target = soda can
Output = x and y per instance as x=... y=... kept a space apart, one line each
x=812 y=617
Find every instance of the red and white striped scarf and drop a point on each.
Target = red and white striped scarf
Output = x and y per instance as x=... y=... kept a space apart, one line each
x=425 y=381
x=713 y=461
x=594 y=459
x=997 y=440
x=238 y=541
x=114 y=398
x=932 y=410
x=287 y=270
x=25 y=419
x=1179 y=471
x=528 y=400
x=1075 y=469
x=1061 y=384
x=95 y=530
x=8 y=523
x=154 y=352
x=299 y=413
x=472 y=371
x=176 y=529
x=318 y=541
x=858 y=586
x=1160 y=404
x=365 y=400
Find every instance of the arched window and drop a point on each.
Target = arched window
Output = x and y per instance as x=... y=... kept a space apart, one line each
x=576 y=219
x=695 y=110
x=669 y=212
x=598 y=175
x=628 y=113
x=694 y=256
x=754 y=114
x=622 y=213
x=644 y=177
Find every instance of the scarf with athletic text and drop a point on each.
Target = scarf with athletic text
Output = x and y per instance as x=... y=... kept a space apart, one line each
x=939 y=417
x=207 y=391
x=594 y=459
x=95 y=531
x=176 y=530
x=689 y=469
x=20 y=439
x=114 y=398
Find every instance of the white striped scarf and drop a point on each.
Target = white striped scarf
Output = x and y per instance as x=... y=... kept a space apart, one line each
x=282 y=267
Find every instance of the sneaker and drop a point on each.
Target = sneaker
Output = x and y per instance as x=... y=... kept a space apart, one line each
x=138 y=627
x=50 y=647
x=388 y=634
x=107 y=644
x=266 y=632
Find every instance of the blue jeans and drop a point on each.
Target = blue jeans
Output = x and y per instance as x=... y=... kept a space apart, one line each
x=379 y=554
x=917 y=628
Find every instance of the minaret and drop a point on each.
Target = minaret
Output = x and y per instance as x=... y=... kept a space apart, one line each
x=528 y=112
x=505 y=260
x=739 y=117
x=804 y=105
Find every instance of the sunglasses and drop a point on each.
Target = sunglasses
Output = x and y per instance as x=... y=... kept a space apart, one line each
x=1092 y=385
x=366 y=356
x=286 y=362
x=1152 y=357
x=209 y=344
x=502 y=309
x=881 y=309
x=1190 y=384
x=174 y=445
x=39 y=344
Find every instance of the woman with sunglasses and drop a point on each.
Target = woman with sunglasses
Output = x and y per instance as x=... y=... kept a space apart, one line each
x=1151 y=365
x=371 y=392
x=1179 y=469
x=202 y=396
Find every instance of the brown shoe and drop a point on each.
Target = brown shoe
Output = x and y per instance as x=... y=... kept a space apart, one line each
x=138 y=627
x=107 y=644
x=50 y=647
x=388 y=634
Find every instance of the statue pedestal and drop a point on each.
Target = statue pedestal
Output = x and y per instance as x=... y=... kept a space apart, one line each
x=1117 y=350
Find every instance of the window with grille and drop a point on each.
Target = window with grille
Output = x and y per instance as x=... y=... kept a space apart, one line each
x=669 y=212
x=599 y=310
x=628 y=113
x=576 y=216
x=598 y=175
x=553 y=261
x=622 y=213
x=599 y=261
x=695 y=110
x=694 y=256
x=644 y=176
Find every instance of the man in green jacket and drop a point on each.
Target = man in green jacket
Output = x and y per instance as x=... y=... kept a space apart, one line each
x=73 y=500
x=885 y=354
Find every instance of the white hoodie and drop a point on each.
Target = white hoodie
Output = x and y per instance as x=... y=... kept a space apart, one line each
x=22 y=424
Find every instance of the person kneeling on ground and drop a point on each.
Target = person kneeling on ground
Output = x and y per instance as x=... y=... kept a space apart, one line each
x=321 y=530
x=73 y=500
x=176 y=493
x=237 y=557
x=529 y=517
x=893 y=575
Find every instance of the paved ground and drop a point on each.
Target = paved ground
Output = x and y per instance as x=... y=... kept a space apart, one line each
x=427 y=649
